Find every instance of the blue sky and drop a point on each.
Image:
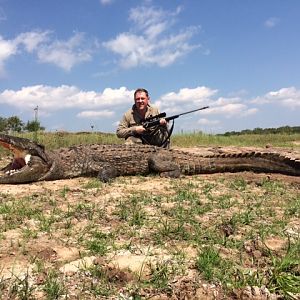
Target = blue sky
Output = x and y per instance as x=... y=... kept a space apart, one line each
x=80 y=61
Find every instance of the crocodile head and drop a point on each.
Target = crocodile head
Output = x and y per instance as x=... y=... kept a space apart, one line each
x=29 y=163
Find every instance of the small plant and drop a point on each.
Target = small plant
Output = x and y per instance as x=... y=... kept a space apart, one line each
x=64 y=192
x=21 y=288
x=99 y=243
x=284 y=274
x=93 y=183
x=245 y=217
x=210 y=264
x=53 y=286
x=207 y=188
x=29 y=233
x=160 y=273
x=293 y=207
x=46 y=222
x=16 y=211
x=224 y=201
x=273 y=187
x=131 y=210
x=238 y=184
x=186 y=192
x=99 y=285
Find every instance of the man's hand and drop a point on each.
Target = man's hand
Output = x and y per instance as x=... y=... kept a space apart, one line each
x=163 y=122
x=139 y=129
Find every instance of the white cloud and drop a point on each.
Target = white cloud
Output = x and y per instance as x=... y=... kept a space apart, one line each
x=65 y=54
x=90 y=114
x=150 y=42
x=249 y=112
x=271 y=22
x=130 y=47
x=230 y=109
x=203 y=121
x=106 y=2
x=186 y=94
x=222 y=101
x=52 y=99
x=7 y=49
x=289 y=97
x=109 y=101
x=203 y=96
x=146 y=18
x=189 y=97
x=31 y=40
x=62 y=53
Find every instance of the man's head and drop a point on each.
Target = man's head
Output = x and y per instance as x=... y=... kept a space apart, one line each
x=141 y=99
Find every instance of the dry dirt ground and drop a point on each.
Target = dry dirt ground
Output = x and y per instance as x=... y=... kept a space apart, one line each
x=146 y=237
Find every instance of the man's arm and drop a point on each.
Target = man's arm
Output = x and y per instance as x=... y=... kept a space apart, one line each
x=125 y=128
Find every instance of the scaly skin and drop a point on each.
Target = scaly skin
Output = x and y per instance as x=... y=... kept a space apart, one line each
x=109 y=161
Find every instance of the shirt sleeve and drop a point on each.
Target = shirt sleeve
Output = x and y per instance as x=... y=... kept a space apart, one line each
x=124 y=129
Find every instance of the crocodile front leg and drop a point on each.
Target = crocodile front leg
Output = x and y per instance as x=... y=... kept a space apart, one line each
x=164 y=166
x=107 y=173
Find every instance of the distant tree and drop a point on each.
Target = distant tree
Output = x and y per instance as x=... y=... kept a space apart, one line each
x=246 y=131
x=229 y=133
x=257 y=130
x=33 y=126
x=14 y=123
x=3 y=124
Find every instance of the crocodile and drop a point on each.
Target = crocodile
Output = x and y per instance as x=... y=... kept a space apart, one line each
x=32 y=162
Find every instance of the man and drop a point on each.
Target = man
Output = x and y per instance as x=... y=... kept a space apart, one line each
x=131 y=128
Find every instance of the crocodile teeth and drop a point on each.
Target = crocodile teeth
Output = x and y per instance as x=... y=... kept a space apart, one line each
x=27 y=158
x=11 y=172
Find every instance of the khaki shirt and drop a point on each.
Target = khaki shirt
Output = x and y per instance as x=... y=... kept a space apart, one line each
x=132 y=118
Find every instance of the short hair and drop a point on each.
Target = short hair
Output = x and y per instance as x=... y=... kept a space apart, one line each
x=141 y=90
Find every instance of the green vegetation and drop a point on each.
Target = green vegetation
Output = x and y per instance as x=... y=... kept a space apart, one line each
x=231 y=232
x=66 y=139
x=279 y=130
x=15 y=124
x=199 y=139
x=284 y=136
x=53 y=286
x=211 y=265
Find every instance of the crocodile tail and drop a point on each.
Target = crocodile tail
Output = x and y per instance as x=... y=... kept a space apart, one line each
x=256 y=161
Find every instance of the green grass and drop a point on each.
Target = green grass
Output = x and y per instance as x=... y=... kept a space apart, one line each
x=66 y=139
x=99 y=242
x=284 y=271
x=53 y=285
x=197 y=139
x=217 y=228
x=227 y=222
x=210 y=264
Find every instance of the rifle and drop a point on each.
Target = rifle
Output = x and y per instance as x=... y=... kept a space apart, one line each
x=154 y=120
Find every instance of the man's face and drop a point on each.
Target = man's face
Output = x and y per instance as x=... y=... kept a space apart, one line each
x=141 y=101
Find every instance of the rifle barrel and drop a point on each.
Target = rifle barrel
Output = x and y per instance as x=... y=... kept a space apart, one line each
x=153 y=121
x=188 y=112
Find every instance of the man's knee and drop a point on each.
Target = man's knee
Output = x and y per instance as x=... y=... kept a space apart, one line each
x=133 y=140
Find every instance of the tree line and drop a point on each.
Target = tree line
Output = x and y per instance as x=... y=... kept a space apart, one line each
x=258 y=130
x=15 y=124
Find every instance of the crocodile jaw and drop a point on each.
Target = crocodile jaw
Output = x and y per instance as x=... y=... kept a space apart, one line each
x=29 y=173
x=25 y=167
